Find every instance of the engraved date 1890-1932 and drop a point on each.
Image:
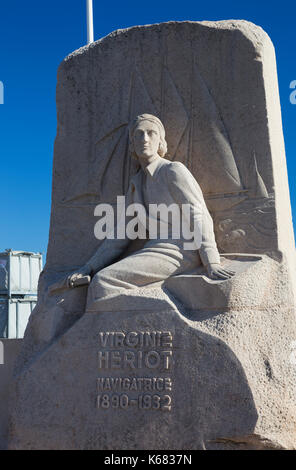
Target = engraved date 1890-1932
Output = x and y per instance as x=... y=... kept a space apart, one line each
x=144 y=401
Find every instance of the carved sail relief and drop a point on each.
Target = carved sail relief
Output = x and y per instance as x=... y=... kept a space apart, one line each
x=174 y=115
x=196 y=136
x=113 y=165
x=205 y=147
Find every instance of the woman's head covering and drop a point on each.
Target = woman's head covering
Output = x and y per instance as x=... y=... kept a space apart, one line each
x=148 y=117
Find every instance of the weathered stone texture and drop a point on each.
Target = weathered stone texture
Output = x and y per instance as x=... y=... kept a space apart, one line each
x=214 y=86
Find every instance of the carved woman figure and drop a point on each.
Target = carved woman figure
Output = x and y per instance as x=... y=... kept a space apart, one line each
x=158 y=181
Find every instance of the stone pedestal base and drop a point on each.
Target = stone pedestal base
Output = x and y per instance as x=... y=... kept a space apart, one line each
x=145 y=381
x=218 y=377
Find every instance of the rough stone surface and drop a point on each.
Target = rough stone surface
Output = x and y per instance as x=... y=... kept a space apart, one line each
x=232 y=365
x=10 y=349
x=235 y=148
x=232 y=384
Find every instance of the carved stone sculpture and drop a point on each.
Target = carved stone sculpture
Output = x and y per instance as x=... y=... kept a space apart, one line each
x=199 y=358
x=160 y=184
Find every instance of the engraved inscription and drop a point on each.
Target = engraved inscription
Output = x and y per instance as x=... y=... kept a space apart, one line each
x=160 y=339
x=134 y=360
x=145 y=402
x=125 y=384
x=135 y=351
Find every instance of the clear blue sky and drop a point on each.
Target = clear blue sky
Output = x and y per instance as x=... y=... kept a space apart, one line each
x=34 y=38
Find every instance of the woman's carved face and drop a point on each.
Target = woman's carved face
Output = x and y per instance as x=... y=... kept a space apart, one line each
x=146 y=139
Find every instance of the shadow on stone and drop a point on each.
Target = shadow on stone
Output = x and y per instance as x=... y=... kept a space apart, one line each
x=209 y=393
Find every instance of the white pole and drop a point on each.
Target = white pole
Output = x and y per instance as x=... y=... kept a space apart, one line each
x=90 y=21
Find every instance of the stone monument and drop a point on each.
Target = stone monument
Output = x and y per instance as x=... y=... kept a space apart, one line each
x=200 y=356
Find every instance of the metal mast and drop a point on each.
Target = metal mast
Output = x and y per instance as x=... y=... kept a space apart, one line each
x=90 y=21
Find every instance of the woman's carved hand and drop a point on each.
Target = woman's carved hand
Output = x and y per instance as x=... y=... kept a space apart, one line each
x=215 y=271
x=84 y=271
